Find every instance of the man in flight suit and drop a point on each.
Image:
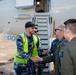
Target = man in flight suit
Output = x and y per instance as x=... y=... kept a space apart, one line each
x=68 y=60
x=59 y=31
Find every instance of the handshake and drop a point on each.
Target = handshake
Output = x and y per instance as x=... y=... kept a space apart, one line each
x=36 y=59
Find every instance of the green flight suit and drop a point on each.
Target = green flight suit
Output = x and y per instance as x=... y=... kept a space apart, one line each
x=68 y=61
x=55 y=56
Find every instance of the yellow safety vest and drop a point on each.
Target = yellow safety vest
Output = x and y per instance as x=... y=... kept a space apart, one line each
x=37 y=38
x=18 y=58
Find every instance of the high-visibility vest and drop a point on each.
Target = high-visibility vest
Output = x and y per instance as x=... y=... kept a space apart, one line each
x=18 y=58
x=38 y=41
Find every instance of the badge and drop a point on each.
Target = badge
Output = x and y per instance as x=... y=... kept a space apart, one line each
x=61 y=54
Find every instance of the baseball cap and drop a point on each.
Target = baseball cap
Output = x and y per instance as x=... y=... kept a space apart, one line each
x=29 y=24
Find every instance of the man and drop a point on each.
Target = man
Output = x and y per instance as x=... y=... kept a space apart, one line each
x=68 y=60
x=59 y=31
x=38 y=66
x=52 y=49
x=53 y=44
x=26 y=51
x=38 y=44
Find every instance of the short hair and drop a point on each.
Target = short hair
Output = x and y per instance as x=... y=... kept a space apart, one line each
x=71 y=24
x=60 y=27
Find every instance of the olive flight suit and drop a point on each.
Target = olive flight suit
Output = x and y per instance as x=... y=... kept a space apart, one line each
x=68 y=61
x=55 y=57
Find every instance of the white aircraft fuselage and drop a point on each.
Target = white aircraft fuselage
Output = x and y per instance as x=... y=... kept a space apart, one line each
x=12 y=23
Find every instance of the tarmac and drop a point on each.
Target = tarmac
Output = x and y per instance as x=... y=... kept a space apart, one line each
x=7 y=51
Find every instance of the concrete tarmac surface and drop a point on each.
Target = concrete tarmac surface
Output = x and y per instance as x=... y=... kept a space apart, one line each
x=7 y=51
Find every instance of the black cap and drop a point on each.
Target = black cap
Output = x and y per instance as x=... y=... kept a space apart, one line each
x=29 y=24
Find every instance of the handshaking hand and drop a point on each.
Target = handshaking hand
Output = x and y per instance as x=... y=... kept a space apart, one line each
x=36 y=59
x=45 y=51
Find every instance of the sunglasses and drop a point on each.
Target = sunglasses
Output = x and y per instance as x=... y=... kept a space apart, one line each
x=36 y=31
x=57 y=29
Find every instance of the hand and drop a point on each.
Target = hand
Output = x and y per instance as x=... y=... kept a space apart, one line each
x=36 y=59
x=45 y=51
x=39 y=59
x=36 y=65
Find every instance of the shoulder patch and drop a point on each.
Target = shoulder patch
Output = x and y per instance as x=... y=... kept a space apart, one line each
x=61 y=53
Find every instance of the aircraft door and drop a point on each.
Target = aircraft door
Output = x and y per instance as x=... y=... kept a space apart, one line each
x=42 y=6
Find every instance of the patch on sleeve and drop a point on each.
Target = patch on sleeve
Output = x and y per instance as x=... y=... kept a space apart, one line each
x=61 y=54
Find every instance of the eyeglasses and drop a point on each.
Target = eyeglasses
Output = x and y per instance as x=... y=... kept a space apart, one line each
x=58 y=29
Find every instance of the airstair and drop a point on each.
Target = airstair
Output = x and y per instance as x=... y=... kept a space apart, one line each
x=43 y=21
